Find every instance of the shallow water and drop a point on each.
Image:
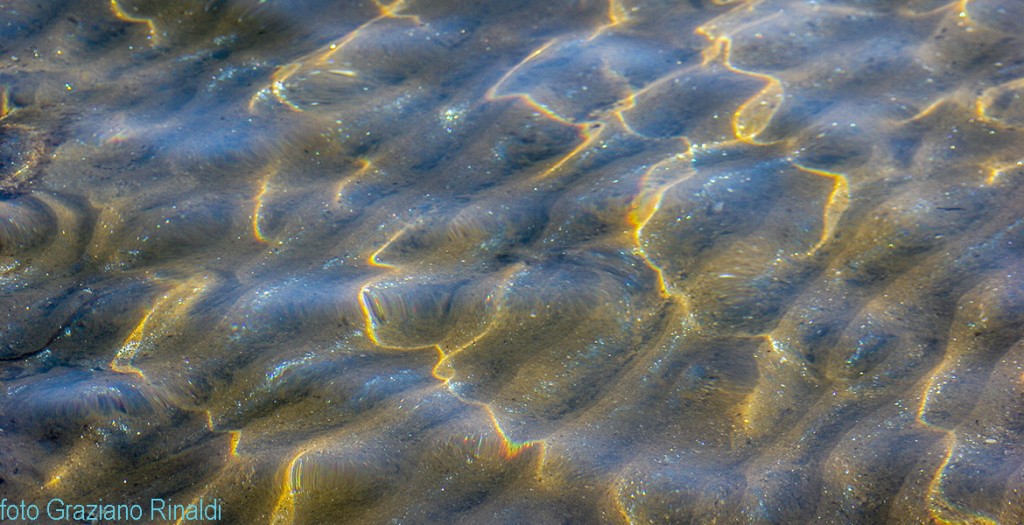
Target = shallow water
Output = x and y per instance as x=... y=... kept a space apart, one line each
x=515 y=262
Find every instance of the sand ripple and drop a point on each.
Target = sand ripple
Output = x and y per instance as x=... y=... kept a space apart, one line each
x=518 y=262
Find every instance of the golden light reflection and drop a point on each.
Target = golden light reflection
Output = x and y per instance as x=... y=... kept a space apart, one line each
x=628 y=102
x=368 y=323
x=510 y=447
x=277 y=85
x=74 y=461
x=620 y=509
x=368 y=302
x=169 y=307
x=624 y=105
x=121 y=14
x=655 y=182
x=278 y=79
x=587 y=131
x=930 y=109
x=443 y=370
x=31 y=154
x=291 y=483
x=617 y=15
x=5 y=102
x=373 y=259
x=963 y=16
x=837 y=203
x=365 y=308
x=122 y=362
x=748 y=408
x=984 y=102
x=941 y=510
x=235 y=438
x=995 y=173
x=754 y=115
x=954 y=6
x=385 y=11
x=491 y=93
x=277 y=88
x=758 y=415
x=364 y=168
x=643 y=232
x=268 y=173
x=236 y=435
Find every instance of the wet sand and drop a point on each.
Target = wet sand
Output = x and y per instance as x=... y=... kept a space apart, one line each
x=517 y=262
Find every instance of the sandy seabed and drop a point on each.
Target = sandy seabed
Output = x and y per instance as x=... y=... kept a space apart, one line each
x=514 y=262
